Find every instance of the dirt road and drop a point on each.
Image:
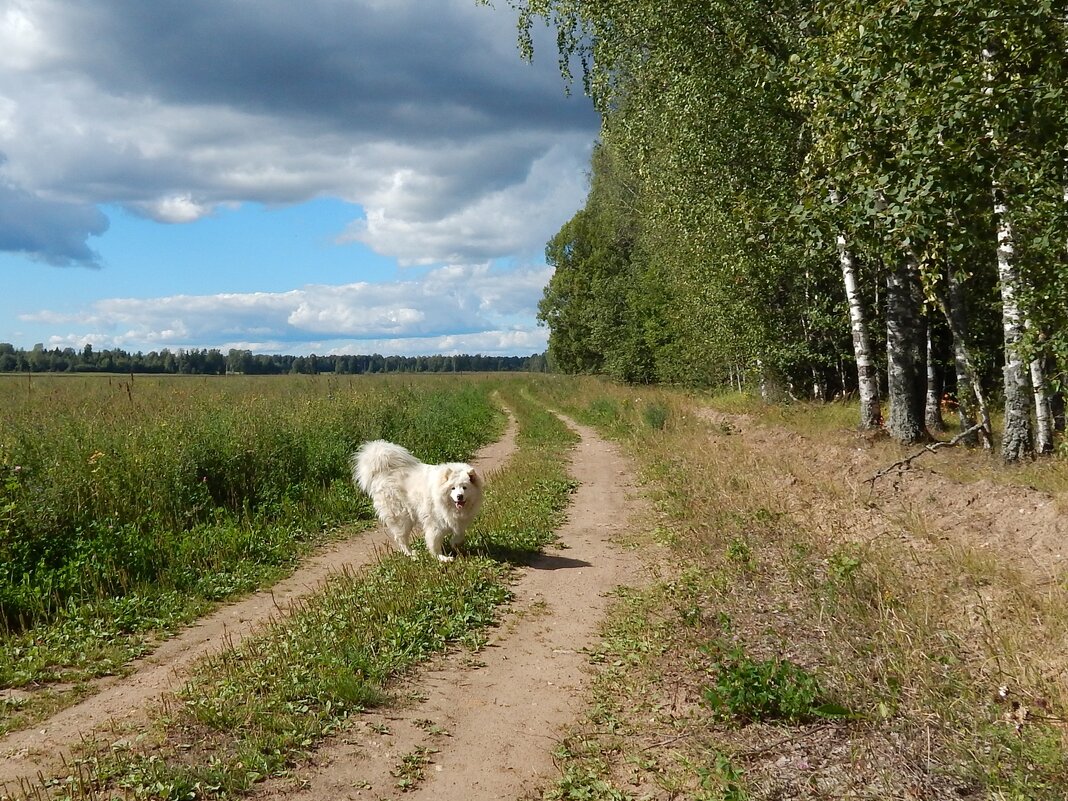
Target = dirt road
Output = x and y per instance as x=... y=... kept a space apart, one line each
x=483 y=726
x=478 y=726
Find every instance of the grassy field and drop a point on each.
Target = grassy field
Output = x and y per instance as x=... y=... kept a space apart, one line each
x=128 y=506
x=254 y=709
x=768 y=658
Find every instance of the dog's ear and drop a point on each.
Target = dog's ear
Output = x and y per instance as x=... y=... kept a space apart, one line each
x=474 y=477
x=446 y=475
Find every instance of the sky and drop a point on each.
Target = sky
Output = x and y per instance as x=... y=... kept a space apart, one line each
x=328 y=176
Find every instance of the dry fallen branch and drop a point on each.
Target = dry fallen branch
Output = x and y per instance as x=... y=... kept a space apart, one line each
x=904 y=464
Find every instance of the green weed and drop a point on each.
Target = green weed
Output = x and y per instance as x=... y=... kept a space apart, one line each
x=749 y=690
x=656 y=416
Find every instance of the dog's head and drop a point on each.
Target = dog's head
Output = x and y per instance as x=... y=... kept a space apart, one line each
x=464 y=486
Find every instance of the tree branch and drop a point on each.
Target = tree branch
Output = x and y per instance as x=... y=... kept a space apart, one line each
x=904 y=464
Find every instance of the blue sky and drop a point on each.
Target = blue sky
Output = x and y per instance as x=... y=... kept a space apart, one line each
x=333 y=176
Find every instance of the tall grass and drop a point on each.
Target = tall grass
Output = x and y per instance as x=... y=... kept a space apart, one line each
x=127 y=503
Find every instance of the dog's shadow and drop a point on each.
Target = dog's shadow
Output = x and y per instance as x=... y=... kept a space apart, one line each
x=546 y=561
x=532 y=559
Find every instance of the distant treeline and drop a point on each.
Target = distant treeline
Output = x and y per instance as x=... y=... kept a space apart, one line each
x=215 y=362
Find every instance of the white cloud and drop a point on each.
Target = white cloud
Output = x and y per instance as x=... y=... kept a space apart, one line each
x=176 y=209
x=499 y=221
x=454 y=309
x=23 y=45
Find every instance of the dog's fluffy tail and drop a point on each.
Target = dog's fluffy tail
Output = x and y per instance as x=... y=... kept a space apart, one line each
x=379 y=458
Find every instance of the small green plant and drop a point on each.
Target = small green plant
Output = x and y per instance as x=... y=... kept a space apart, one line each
x=656 y=416
x=841 y=566
x=770 y=689
x=739 y=552
x=583 y=784
x=721 y=782
x=411 y=770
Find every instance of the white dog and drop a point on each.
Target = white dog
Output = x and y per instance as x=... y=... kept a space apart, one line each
x=441 y=499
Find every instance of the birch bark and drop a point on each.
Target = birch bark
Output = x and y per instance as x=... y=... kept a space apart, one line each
x=933 y=407
x=867 y=375
x=1017 y=441
x=1043 y=408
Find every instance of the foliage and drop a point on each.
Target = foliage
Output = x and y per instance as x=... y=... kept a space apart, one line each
x=210 y=361
x=768 y=689
x=594 y=302
x=743 y=141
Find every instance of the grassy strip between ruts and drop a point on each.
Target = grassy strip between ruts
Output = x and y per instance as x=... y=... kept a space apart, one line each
x=253 y=710
x=777 y=657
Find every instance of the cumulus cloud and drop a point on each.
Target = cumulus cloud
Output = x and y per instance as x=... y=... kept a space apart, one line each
x=452 y=309
x=494 y=222
x=422 y=113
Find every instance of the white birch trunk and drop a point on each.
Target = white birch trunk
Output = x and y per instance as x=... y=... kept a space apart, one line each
x=1017 y=441
x=904 y=357
x=867 y=375
x=933 y=409
x=1043 y=409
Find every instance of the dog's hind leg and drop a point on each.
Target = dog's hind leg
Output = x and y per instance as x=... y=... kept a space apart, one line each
x=401 y=531
x=435 y=543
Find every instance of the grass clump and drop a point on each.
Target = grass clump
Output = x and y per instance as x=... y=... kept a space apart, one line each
x=749 y=690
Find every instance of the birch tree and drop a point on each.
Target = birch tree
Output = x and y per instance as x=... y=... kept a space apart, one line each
x=867 y=375
x=903 y=107
x=933 y=404
x=906 y=365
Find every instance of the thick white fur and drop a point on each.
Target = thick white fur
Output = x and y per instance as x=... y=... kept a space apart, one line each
x=440 y=499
